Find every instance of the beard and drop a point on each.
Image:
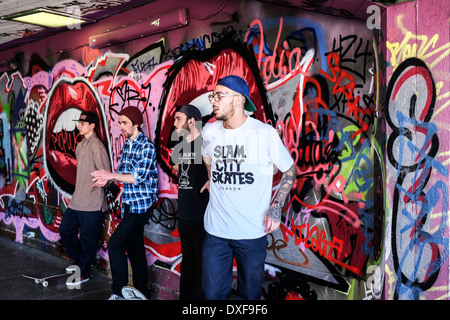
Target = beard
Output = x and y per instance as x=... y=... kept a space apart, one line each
x=221 y=117
x=183 y=131
x=126 y=134
x=226 y=114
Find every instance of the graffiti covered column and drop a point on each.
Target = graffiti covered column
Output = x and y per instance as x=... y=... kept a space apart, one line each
x=417 y=113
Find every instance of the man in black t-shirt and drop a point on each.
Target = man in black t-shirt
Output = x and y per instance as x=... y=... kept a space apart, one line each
x=193 y=196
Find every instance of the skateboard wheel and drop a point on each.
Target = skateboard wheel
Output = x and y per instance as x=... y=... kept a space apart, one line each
x=36 y=281
x=45 y=283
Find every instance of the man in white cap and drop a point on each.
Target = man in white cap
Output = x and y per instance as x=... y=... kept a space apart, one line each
x=240 y=153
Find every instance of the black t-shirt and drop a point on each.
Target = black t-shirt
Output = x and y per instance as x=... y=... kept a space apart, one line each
x=192 y=176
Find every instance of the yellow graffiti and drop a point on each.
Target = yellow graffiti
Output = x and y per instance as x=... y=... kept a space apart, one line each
x=442 y=290
x=445 y=154
x=441 y=97
x=404 y=50
x=390 y=283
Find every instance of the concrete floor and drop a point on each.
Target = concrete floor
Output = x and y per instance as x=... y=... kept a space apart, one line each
x=17 y=259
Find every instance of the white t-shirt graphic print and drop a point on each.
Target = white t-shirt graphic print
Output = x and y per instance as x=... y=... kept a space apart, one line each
x=241 y=177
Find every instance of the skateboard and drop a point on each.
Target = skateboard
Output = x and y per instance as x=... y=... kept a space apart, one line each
x=131 y=293
x=41 y=278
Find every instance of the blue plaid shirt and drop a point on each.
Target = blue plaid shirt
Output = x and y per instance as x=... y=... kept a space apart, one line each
x=139 y=159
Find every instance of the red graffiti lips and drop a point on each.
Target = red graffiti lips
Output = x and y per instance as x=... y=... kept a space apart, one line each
x=65 y=103
x=191 y=78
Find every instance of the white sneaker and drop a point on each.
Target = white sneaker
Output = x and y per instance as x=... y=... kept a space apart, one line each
x=130 y=293
x=115 y=297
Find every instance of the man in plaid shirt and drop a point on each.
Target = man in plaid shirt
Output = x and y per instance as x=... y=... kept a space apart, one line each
x=138 y=172
x=141 y=194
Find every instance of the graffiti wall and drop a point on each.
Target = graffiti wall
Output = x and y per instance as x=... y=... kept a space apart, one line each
x=313 y=77
x=317 y=79
x=417 y=100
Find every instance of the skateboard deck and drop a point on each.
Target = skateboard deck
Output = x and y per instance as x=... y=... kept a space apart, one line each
x=131 y=293
x=41 y=278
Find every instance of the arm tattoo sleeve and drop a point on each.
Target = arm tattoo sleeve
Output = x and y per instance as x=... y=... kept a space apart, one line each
x=287 y=181
x=286 y=184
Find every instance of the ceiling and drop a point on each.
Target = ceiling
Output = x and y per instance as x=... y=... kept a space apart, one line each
x=14 y=34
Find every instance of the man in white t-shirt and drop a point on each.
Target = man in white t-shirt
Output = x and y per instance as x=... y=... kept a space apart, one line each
x=240 y=153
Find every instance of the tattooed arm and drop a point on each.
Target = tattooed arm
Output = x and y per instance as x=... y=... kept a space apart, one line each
x=273 y=214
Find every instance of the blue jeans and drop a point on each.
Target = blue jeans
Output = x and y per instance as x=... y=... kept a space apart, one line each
x=217 y=267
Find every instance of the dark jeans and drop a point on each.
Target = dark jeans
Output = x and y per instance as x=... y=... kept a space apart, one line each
x=191 y=236
x=217 y=267
x=82 y=248
x=128 y=241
